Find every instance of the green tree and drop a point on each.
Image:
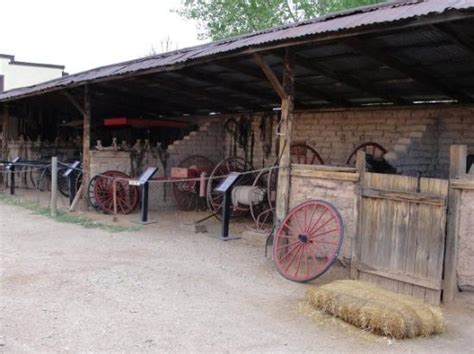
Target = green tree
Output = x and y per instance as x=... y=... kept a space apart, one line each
x=219 y=19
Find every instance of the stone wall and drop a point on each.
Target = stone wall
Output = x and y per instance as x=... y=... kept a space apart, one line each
x=342 y=194
x=465 y=264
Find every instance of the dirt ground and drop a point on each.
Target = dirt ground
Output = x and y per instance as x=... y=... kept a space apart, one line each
x=164 y=288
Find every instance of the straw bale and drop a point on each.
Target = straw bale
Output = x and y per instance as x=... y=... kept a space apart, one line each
x=377 y=310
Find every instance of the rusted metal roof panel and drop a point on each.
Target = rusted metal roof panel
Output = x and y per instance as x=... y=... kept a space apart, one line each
x=385 y=13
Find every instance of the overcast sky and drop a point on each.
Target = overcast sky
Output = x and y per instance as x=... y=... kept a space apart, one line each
x=83 y=34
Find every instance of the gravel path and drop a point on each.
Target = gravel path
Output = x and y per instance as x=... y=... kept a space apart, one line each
x=66 y=288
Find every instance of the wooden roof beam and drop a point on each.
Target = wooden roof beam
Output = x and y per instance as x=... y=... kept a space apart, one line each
x=417 y=74
x=459 y=38
x=270 y=75
x=309 y=90
x=215 y=101
x=237 y=87
x=347 y=79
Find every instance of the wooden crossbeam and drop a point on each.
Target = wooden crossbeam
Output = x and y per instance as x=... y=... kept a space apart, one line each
x=270 y=75
x=418 y=74
x=74 y=102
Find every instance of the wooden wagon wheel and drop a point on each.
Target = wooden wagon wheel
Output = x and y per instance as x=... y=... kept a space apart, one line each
x=218 y=174
x=371 y=148
x=305 y=155
x=127 y=196
x=186 y=193
x=262 y=213
x=308 y=241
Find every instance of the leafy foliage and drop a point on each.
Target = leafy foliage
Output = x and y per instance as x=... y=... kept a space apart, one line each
x=219 y=19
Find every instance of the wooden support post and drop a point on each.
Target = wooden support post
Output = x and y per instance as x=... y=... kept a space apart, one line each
x=5 y=132
x=457 y=169
x=86 y=142
x=358 y=215
x=54 y=186
x=286 y=129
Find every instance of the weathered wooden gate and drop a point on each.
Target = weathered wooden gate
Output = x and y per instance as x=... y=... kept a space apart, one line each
x=400 y=239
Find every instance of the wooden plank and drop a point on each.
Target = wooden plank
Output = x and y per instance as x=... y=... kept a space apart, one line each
x=270 y=75
x=437 y=235
x=457 y=168
x=434 y=284
x=296 y=166
x=286 y=128
x=358 y=213
x=464 y=183
x=410 y=197
x=340 y=176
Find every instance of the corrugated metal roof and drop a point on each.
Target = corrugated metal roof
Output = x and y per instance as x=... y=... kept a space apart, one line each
x=384 y=13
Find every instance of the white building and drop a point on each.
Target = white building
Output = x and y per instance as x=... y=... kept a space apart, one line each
x=15 y=74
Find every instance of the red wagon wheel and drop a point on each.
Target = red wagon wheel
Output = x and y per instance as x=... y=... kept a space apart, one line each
x=127 y=196
x=371 y=148
x=305 y=155
x=308 y=241
x=186 y=193
x=222 y=169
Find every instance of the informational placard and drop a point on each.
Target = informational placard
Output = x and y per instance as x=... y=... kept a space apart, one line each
x=72 y=168
x=144 y=177
x=11 y=164
x=228 y=182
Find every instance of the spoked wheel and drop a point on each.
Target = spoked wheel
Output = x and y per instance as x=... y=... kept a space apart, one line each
x=186 y=193
x=305 y=155
x=222 y=169
x=308 y=241
x=262 y=213
x=377 y=151
x=127 y=196
x=91 y=193
x=63 y=183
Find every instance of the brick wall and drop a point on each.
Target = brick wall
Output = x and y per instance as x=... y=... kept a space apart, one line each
x=417 y=139
x=206 y=141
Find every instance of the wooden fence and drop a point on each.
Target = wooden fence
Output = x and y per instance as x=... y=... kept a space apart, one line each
x=403 y=237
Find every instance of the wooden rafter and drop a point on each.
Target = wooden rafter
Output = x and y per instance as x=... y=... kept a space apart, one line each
x=239 y=88
x=308 y=90
x=417 y=74
x=347 y=79
x=457 y=37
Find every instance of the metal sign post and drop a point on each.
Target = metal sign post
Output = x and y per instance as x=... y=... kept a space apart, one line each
x=11 y=168
x=226 y=188
x=71 y=174
x=143 y=183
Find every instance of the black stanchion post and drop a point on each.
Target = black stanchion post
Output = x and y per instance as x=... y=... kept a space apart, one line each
x=11 y=168
x=143 y=183
x=226 y=189
x=144 y=216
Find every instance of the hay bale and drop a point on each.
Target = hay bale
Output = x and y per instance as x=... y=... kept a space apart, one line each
x=377 y=310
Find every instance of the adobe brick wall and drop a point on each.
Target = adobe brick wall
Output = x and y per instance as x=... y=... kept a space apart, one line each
x=206 y=141
x=417 y=139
